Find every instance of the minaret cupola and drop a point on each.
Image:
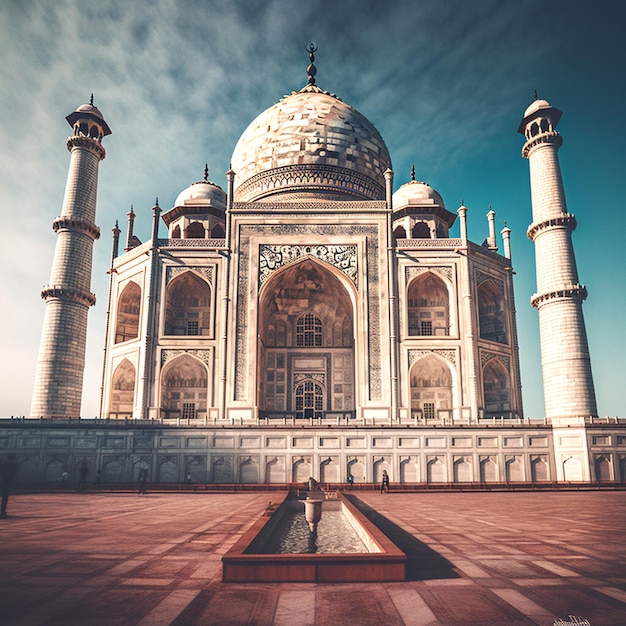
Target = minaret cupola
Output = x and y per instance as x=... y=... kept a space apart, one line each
x=87 y=121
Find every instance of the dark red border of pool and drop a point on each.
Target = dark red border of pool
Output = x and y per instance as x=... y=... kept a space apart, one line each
x=385 y=566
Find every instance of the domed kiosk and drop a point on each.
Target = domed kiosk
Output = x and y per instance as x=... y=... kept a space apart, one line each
x=198 y=211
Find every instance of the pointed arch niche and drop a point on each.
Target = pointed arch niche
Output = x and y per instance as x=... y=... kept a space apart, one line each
x=184 y=388
x=188 y=306
x=123 y=390
x=497 y=389
x=128 y=308
x=429 y=306
x=491 y=313
x=306 y=348
x=431 y=388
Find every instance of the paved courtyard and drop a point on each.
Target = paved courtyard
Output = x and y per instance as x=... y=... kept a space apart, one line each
x=474 y=558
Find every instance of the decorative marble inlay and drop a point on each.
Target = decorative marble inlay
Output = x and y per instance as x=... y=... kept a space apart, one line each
x=414 y=355
x=481 y=277
x=203 y=355
x=298 y=378
x=343 y=258
x=172 y=272
x=214 y=244
x=413 y=271
x=131 y=356
x=485 y=357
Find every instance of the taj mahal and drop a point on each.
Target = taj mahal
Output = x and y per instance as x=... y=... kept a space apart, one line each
x=314 y=319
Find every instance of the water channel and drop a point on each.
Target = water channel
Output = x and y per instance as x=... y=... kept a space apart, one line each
x=335 y=534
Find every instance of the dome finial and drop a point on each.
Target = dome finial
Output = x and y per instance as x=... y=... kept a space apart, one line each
x=91 y=100
x=536 y=96
x=311 y=69
x=412 y=171
x=206 y=172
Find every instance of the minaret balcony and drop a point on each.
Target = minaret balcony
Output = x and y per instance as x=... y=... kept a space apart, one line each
x=86 y=298
x=548 y=137
x=80 y=141
x=566 y=219
x=64 y=223
x=575 y=292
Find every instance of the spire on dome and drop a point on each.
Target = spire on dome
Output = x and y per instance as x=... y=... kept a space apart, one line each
x=311 y=69
x=412 y=171
x=206 y=172
x=536 y=95
x=91 y=100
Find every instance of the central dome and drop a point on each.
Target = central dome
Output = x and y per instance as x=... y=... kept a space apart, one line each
x=310 y=145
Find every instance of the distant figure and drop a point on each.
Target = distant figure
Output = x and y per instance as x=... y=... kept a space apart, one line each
x=188 y=479
x=350 y=481
x=82 y=477
x=143 y=482
x=8 y=469
x=65 y=477
x=384 y=485
x=312 y=484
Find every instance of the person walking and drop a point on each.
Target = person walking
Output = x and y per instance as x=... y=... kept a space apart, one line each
x=143 y=482
x=384 y=485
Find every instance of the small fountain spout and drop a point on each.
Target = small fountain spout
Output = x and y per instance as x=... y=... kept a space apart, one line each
x=313 y=513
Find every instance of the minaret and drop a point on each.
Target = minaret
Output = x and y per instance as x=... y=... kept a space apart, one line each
x=61 y=362
x=566 y=365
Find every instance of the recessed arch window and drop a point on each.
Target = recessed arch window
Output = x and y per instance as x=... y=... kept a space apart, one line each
x=421 y=231
x=195 y=230
x=491 y=313
x=123 y=390
x=309 y=398
x=497 y=389
x=176 y=232
x=184 y=388
x=128 y=308
x=399 y=232
x=431 y=388
x=429 y=309
x=188 y=306
x=306 y=332
x=309 y=331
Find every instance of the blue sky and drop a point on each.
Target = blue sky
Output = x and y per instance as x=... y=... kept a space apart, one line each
x=445 y=82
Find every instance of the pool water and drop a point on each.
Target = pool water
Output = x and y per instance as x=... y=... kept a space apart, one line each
x=335 y=535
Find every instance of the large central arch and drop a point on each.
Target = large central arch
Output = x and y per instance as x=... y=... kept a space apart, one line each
x=306 y=342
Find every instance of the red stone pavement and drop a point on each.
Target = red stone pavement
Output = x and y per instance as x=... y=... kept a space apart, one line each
x=474 y=559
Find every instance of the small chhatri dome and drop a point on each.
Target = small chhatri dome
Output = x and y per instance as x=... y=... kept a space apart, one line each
x=535 y=106
x=91 y=112
x=310 y=144
x=539 y=109
x=416 y=193
x=204 y=192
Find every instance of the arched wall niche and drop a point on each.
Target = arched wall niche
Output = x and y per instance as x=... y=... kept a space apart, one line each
x=184 y=388
x=306 y=348
x=432 y=388
x=491 y=313
x=428 y=313
x=123 y=390
x=128 y=313
x=497 y=392
x=188 y=306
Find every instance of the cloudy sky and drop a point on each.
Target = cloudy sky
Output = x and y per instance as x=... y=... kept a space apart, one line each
x=445 y=82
